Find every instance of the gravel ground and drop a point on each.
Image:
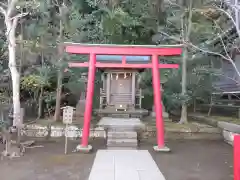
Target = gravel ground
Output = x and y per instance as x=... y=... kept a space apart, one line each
x=189 y=160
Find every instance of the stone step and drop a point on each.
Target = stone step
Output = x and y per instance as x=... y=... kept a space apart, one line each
x=120 y=115
x=120 y=130
x=119 y=134
x=122 y=139
x=122 y=143
x=121 y=148
x=121 y=127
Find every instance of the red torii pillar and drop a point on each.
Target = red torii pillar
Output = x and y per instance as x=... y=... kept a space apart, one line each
x=236 y=156
x=157 y=102
x=153 y=51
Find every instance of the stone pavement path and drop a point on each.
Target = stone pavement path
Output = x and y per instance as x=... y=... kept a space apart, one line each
x=124 y=165
x=189 y=160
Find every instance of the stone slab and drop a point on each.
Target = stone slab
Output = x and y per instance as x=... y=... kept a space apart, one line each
x=122 y=142
x=229 y=126
x=121 y=148
x=117 y=134
x=124 y=123
x=124 y=165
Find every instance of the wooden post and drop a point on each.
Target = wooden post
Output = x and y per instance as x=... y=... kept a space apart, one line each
x=140 y=98
x=66 y=139
x=133 y=87
x=102 y=91
x=102 y=78
x=108 y=90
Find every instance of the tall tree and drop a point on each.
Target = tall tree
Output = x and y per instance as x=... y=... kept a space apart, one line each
x=187 y=24
x=186 y=28
x=62 y=13
x=11 y=17
x=75 y=24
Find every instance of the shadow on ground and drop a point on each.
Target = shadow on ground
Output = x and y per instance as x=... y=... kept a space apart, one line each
x=189 y=160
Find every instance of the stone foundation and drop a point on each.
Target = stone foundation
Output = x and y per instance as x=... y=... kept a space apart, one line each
x=41 y=131
x=60 y=131
x=121 y=132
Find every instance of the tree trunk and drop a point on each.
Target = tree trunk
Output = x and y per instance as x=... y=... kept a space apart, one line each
x=16 y=97
x=186 y=32
x=17 y=119
x=15 y=79
x=40 y=104
x=40 y=100
x=236 y=13
x=60 y=73
x=58 y=97
x=11 y=25
x=184 y=86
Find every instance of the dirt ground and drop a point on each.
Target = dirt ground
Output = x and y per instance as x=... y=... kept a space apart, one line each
x=189 y=160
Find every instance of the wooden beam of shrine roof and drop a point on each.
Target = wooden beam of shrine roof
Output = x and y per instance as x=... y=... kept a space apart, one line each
x=106 y=49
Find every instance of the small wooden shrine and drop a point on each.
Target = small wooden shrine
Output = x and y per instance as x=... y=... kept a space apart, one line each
x=120 y=94
x=120 y=90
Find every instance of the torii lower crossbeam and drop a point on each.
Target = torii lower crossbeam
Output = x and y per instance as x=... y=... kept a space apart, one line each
x=153 y=51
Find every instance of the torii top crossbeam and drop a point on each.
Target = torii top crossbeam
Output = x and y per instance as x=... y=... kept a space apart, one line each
x=124 y=50
x=153 y=52
x=111 y=49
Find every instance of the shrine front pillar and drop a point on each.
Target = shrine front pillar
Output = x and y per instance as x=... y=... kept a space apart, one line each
x=133 y=87
x=108 y=88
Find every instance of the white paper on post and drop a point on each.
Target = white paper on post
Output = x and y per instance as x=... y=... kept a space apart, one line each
x=68 y=114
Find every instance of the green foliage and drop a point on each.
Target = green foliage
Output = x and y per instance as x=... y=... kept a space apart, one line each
x=36 y=81
x=75 y=83
x=33 y=82
x=131 y=22
x=200 y=74
x=127 y=22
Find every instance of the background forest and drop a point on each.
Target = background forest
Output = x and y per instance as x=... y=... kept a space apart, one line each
x=43 y=25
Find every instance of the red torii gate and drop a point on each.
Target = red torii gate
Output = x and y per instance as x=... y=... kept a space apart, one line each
x=124 y=50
